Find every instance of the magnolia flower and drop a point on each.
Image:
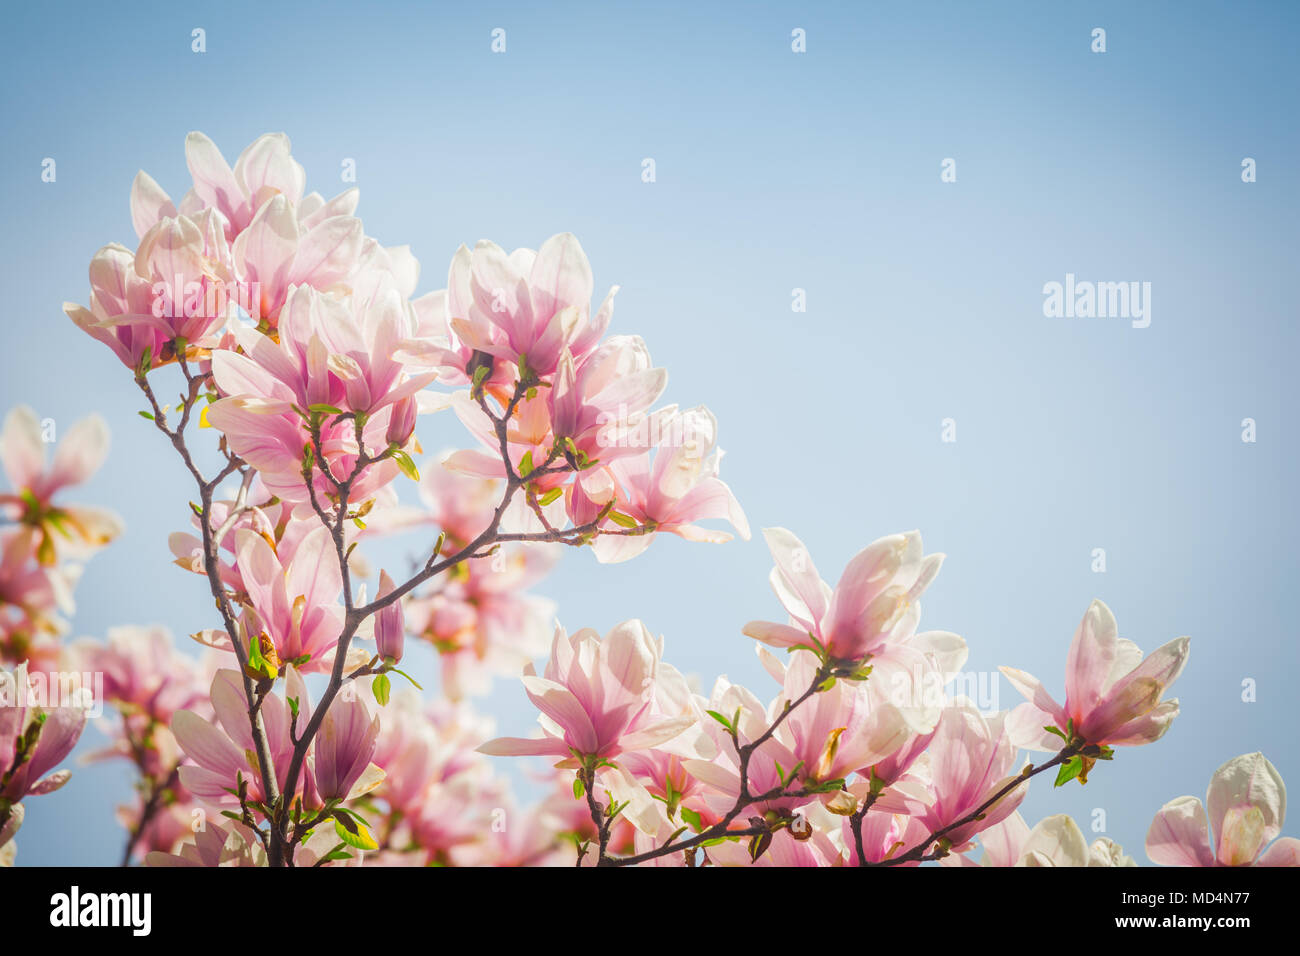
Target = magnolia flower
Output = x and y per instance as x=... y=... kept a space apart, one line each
x=324 y=359
x=971 y=759
x=785 y=850
x=294 y=603
x=143 y=673
x=525 y=305
x=72 y=530
x=1112 y=694
x=1054 y=841
x=229 y=843
x=868 y=608
x=343 y=746
x=224 y=753
x=667 y=493
x=838 y=730
x=33 y=740
x=1246 y=800
x=599 y=403
x=771 y=767
x=32 y=599
x=596 y=698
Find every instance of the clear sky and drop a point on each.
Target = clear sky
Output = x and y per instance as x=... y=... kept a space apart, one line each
x=775 y=171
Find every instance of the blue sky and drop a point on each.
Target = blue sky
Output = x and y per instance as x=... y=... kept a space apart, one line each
x=775 y=171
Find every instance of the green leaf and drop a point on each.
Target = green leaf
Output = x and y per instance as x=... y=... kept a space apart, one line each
x=334 y=855
x=722 y=720
x=622 y=520
x=293 y=706
x=321 y=408
x=578 y=788
x=405 y=464
x=550 y=496
x=1069 y=770
x=526 y=464
x=693 y=818
x=382 y=688
x=148 y=415
x=359 y=837
x=1058 y=731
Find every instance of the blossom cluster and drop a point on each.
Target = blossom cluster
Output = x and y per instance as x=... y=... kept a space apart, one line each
x=307 y=363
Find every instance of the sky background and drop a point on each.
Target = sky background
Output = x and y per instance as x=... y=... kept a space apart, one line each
x=774 y=171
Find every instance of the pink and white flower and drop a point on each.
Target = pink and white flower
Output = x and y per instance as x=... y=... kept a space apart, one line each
x=1246 y=803
x=596 y=698
x=1113 y=695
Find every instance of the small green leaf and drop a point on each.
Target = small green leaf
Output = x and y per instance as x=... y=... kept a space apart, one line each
x=405 y=464
x=148 y=415
x=1069 y=770
x=578 y=789
x=693 y=818
x=550 y=496
x=1058 y=731
x=382 y=688
x=722 y=720
x=526 y=464
x=359 y=837
x=622 y=520
x=321 y=408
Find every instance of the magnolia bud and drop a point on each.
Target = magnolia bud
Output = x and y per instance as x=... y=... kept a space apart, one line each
x=402 y=421
x=390 y=627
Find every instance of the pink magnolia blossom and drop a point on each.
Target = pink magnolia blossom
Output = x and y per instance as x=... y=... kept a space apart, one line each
x=263 y=170
x=599 y=402
x=1246 y=801
x=819 y=849
x=838 y=730
x=343 y=746
x=228 y=843
x=33 y=739
x=971 y=758
x=596 y=698
x=121 y=309
x=884 y=834
x=525 y=304
x=1112 y=693
x=323 y=357
x=668 y=492
x=224 y=752
x=867 y=611
x=295 y=603
x=482 y=621
x=64 y=530
x=276 y=236
x=33 y=600
x=718 y=768
x=142 y=671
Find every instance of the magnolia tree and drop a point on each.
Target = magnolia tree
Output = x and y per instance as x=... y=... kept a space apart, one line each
x=281 y=353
